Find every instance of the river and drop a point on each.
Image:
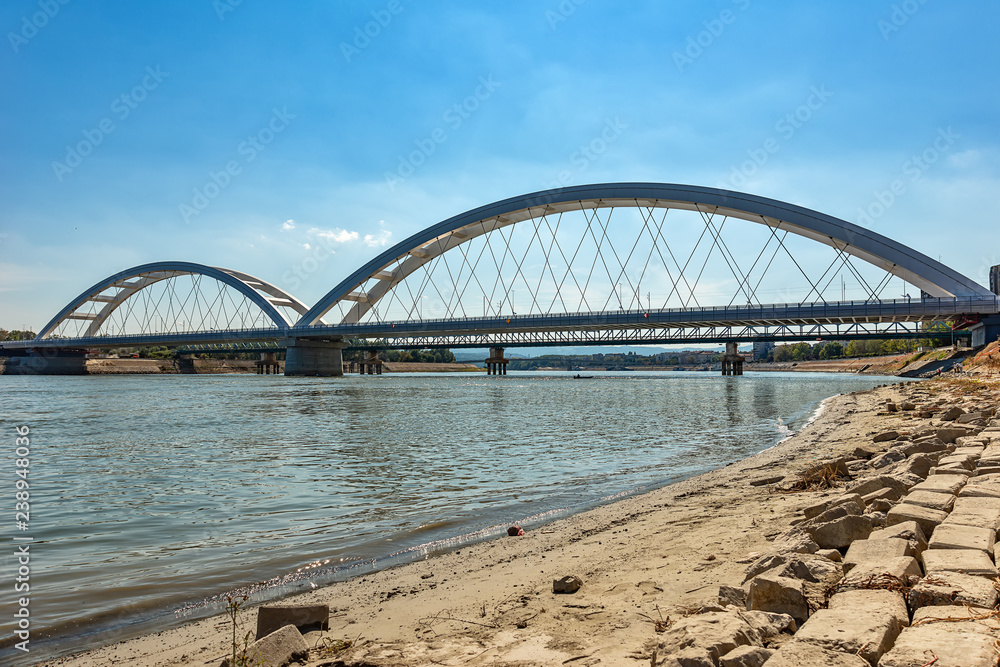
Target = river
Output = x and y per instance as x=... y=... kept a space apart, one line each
x=153 y=495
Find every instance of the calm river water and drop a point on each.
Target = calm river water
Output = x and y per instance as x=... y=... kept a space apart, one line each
x=152 y=495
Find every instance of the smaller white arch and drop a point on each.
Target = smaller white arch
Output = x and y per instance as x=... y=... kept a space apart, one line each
x=94 y=306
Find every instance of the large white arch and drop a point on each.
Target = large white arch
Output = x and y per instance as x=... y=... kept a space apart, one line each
x=130 y=281
x=914 y=267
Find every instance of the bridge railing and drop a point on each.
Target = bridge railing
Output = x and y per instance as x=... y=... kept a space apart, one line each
x=913 y=309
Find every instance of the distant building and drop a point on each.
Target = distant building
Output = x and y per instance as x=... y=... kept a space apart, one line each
x=761 y=350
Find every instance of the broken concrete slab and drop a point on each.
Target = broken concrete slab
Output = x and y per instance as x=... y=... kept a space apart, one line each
x=942 y=484
x=955 y=536
x=980 y=491
x=925 y=517
x=901 y=567
x=863 y=622
x=951 y=434
x=951 y=469
x=982 y=519
x=274 y=617
x=949 y=588
x=799 y=654
x=779 y=595
x=713 y=635
x=881 y=494
x=277 y=649
x=746 y=656
x=945 y=642
x=846 y=499
x=963 y=460
x=878 y=550
x=841 y=532
x=907 y=530
x=878 y=483
x=966 y=561
x=932 y=499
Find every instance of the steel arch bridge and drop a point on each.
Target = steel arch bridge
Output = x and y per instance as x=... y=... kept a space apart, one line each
x=575 y=265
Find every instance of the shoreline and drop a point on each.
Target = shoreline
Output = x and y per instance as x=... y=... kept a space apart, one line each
x=506 y=577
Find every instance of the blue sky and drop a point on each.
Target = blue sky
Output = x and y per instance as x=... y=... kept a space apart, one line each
x=252 y=135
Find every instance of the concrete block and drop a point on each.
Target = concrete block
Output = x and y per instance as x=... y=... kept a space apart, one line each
x=907 y=530
x=966 y=561
x=963 y=460
x=932 y=499
x=902 y=567
x=972 y=490
x=952 y=469
x=953 y=536
x=878 y=550
x=975 y=451
x=746 y=656
x=952 y=588
x=927 y=446
x=935 y=638
x=925 y=517
x=982 y=469
x=951 y=484
x=881 y=494
x=877 y=484
x=278 y=648
x=275 y=617
x=951 y=434
x=800 y=654
x=841 y=532
x=730 y=595
x=847 y=498
x=978 y=504
x=944 y=644
x=779 y=595
x=863 y=622
x=967 y=517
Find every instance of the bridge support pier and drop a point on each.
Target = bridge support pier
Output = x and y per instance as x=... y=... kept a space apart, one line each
x=732 y=362
x=305 y=356
x=496 y=364
x=268 y=364
x=372 y=365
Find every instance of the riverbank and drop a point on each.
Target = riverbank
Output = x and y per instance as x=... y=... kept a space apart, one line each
x=640 y=559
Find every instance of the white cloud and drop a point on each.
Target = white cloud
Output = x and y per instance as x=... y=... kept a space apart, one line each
x=378 y=240
x=288 y=225
x=964 y=159
x=307 y=246
x=337 y=235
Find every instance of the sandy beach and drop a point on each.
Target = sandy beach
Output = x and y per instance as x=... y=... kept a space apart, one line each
x=644 y=561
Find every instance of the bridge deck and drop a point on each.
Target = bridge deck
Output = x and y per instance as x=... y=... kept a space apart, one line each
x=851 y=319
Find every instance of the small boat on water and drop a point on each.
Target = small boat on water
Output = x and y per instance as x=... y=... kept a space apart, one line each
x=583 y=377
